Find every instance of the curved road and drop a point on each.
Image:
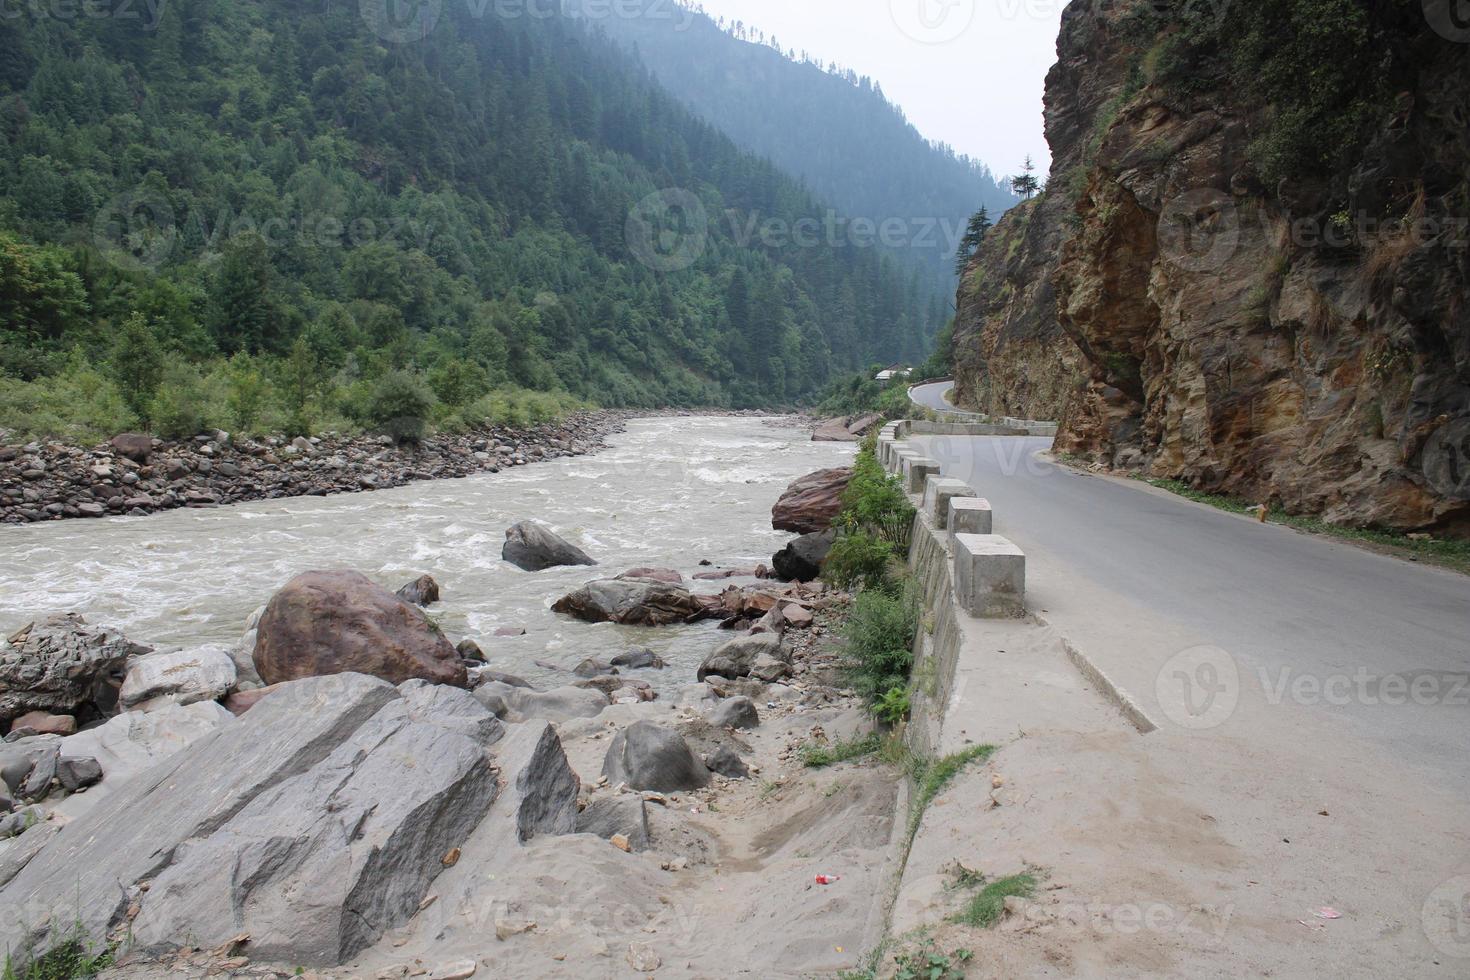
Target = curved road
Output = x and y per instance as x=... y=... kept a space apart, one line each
x=932 y=396
x=1326 y=641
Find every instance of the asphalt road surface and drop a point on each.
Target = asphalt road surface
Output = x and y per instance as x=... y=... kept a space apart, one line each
x=932 y=396
x=1211 y=620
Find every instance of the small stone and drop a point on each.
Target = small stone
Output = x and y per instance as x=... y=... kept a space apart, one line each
x=505 y=928
x=458 y=970
x=620 y=841
x=451 y=859
x=642 y=958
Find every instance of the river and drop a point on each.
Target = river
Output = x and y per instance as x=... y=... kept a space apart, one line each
x=667 y=493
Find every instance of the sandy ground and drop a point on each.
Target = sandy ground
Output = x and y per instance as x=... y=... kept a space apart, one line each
x=1172 y=854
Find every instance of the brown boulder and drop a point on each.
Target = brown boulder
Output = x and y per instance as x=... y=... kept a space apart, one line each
x=633 y=602
x=46 y=724
x=812 y=502
x=132 y=445
x=422 y=591
x=339 y=622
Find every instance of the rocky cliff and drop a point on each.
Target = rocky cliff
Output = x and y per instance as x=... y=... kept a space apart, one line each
x=1010 y=355
x=1262 y=253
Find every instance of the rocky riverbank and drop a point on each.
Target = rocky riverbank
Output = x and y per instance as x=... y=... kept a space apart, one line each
x=596 y=789
x=136 y=475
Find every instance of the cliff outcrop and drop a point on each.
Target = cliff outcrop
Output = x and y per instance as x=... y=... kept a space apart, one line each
x=1261 y=257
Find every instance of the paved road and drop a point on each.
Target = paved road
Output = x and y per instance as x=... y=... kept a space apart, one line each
x=932 y=395
x=1329 y=641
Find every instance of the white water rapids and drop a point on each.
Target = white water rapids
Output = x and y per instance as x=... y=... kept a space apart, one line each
x=668 y=493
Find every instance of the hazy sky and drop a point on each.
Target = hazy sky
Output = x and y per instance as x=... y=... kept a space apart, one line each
x=967 y=72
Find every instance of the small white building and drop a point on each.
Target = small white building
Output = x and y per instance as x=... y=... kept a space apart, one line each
x=893 y=371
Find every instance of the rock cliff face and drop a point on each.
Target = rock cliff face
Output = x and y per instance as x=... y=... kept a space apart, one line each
x=1265 y=280
x=1010 y=355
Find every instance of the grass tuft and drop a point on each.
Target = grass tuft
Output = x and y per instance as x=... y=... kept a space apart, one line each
x=987 y=905
x=816 y=755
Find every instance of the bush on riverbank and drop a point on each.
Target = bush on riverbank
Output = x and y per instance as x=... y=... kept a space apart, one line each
x=256 y=396
x=873 y=531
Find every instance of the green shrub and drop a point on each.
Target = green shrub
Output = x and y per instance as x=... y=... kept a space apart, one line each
x=874 y=501
x=80 y=404
x=401 y=405
x=184 y=405
x=879 y=640
x=857 y=560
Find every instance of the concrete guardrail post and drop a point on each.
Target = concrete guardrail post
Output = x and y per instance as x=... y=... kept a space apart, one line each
x=989 y=576
x=938 y=492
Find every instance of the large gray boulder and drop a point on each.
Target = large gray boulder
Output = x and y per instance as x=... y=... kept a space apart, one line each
x=540 y=795
x=533 y=547
x=517 y=704
x=319 y=866
x=736 y=712
x=648 y=756
x=63 y=666
x=632 y=602
x=624 y=814
x=80 y=883
x=203 y=674
x=739 y=657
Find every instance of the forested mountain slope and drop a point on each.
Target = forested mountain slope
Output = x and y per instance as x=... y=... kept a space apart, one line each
x=327 y=195
x=826 y=125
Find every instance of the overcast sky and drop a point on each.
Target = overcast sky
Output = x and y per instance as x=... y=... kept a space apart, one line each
x=967 y=72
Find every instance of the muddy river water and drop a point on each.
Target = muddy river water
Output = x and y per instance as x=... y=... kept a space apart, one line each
x=669 y=493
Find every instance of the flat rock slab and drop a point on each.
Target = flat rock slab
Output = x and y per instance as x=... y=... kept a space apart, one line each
x=84 y=879
x=321 y=865
x=202 y=674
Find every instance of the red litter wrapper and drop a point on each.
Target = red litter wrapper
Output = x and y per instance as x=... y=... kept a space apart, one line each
x=828 y=879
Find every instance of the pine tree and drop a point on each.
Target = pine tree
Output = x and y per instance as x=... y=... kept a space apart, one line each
x=974 y=235
x=1026 y=184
